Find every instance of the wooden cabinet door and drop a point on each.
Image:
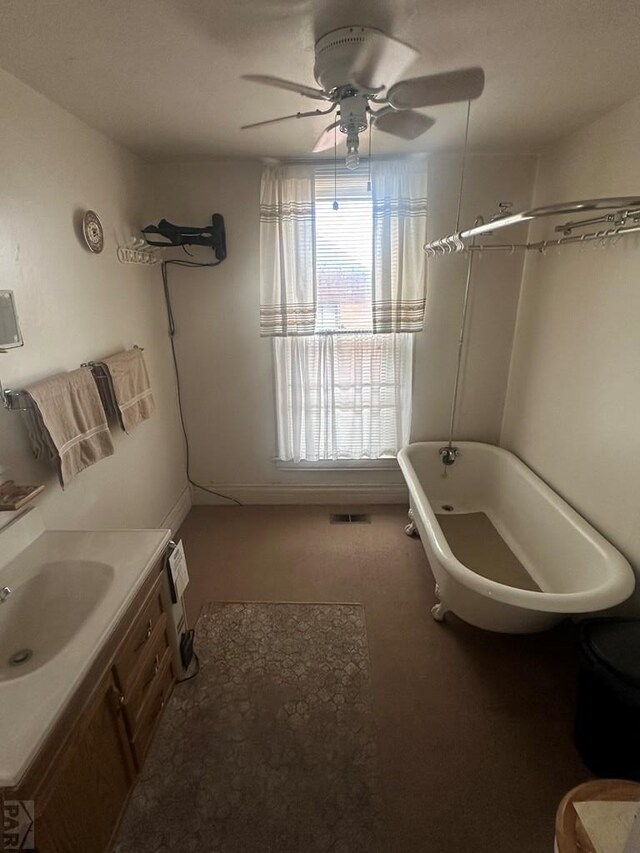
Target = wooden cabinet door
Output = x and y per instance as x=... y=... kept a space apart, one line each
x=92 y=782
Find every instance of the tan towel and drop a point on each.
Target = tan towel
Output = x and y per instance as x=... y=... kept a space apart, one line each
x=128 y=385
x=70 y=422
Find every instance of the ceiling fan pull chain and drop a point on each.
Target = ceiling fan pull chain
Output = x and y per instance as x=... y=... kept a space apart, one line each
x=335 y=167
x=370 y=132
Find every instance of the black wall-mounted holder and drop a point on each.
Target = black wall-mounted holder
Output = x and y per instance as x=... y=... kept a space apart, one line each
x=213 y=236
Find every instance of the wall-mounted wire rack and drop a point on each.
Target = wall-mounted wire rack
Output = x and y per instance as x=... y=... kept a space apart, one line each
x=137 y=251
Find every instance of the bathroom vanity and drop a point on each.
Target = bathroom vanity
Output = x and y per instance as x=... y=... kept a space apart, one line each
x=89 y=612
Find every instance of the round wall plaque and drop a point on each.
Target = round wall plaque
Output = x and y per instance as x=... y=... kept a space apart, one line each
x=92 y=231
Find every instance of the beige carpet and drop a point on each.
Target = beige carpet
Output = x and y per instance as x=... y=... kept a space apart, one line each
x=272 y=747
x=475 y=741
x=478 y=545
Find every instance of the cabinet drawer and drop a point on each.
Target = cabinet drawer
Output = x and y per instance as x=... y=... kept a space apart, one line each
x=151 y=712
x=140 y=636
x=146 y=680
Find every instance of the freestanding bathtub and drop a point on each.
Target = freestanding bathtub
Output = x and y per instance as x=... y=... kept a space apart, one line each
x=574 y=567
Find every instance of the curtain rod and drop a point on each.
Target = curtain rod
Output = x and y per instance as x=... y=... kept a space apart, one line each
x=624 y=207
x=540 y=245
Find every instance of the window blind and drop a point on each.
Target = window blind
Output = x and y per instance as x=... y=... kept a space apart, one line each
x=344 y=252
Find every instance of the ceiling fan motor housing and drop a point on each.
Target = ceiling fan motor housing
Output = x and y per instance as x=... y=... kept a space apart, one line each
x=353 y=114
x=336 y=52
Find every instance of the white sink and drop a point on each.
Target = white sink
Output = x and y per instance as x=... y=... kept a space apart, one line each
x=44 y=612
x=69 y=590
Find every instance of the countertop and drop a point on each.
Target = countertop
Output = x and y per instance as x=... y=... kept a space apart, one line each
x=30 y=705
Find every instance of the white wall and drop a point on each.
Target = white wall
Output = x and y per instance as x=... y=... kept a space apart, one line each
x=75 y=306
x=227 y=367
x=573 y=405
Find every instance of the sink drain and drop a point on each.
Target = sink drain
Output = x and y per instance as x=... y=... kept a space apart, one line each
x=21 y=656
x=447 y=507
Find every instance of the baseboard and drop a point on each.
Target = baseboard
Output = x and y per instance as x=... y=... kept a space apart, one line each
x=178 y=512
x=305 y=493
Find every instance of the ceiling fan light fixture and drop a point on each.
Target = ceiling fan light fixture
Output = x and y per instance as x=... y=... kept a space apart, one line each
x=352 y=160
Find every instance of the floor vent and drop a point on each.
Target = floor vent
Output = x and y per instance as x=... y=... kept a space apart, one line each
x=350 y=518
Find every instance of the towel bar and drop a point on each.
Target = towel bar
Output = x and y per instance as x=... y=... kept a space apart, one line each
x=20 y=401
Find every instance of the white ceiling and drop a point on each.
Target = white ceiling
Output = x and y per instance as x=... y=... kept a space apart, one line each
x=162 y=77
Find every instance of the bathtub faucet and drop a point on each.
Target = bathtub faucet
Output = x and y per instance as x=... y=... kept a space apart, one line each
x=448 y=454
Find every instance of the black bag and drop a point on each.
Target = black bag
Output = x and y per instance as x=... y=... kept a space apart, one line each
x=607 y=727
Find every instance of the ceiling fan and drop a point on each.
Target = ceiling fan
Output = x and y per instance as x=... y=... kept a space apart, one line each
x=357 y=69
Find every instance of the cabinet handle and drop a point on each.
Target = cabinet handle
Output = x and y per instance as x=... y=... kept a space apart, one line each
x=147 y=635
x=159 y=708
x=119 y=698
x=156 y=669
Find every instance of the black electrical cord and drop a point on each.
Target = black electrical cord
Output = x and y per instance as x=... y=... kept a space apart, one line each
x=172 y=332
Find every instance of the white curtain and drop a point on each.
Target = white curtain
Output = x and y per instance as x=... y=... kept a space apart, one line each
x=342 y=291
x=342 y=396
x=399 y=233
x=288 y=262
x=287 y=251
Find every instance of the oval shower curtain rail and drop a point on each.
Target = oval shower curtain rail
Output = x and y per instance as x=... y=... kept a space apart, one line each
x=625 y=207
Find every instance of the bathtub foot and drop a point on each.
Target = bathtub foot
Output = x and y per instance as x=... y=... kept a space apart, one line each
x=438 y=610
x=411 y=529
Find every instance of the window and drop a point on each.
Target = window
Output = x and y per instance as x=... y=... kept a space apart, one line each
x=343 y=382
x=342 y=396
x=343 y=254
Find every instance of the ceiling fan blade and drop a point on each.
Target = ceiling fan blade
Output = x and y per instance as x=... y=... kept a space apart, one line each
x=308 y=114
x=380 y=61
x=326 y=139
x=269 y=121
x=278 y=83
x=465 y=84
x=407 y=124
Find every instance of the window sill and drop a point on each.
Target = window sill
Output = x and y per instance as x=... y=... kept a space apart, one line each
x=388 y=464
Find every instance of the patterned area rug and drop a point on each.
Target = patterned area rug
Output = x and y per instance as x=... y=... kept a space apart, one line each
x=272 y=747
